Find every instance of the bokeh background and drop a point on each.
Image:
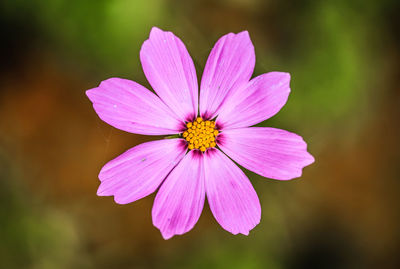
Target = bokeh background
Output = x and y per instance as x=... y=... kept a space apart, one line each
x=344 y=212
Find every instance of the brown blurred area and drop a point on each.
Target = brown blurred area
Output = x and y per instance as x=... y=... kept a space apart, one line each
x=344 y=212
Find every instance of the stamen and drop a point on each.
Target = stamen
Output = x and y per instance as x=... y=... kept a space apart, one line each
x=200 y=134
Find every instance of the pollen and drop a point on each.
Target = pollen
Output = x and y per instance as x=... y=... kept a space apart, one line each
x=200 y=134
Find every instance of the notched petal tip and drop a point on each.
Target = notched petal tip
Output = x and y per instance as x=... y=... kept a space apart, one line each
x=101 y=192
x=242 y=36
x=244 y=33
x=282 y=77
x=285 y=75
x=309 y=160
x=94 y=92
x=155 y=30
x=119 y=201
x=166 y=236
x=91 y=93
x=246 y=232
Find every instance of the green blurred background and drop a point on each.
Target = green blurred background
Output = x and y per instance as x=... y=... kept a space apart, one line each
x=344 y=212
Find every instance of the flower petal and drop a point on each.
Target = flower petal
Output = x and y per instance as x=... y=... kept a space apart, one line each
x=259 y=100
x=233 y=200
x=170 y=71
x=180 y=200
x=270 y=152
x=230 y=65
x=139 y=171
x=129 y=106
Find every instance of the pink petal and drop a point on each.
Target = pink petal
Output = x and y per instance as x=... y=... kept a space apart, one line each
x=230 y=65
x=270 y=152
x=139 y=171
x=180 y=200
x=259 y=100
x=170 y=71
x=233 y=200
x=128 y=106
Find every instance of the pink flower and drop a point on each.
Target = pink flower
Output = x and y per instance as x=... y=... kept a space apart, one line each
x=195 y=164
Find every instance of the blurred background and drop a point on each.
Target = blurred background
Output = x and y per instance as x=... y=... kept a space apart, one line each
x=344 y=58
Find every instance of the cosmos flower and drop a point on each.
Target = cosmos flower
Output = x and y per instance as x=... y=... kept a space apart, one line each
x=212 y=130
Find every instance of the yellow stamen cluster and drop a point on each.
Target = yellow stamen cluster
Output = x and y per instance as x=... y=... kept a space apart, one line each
x=200 y=134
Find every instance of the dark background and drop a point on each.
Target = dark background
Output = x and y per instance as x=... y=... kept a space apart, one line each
x=344 y=212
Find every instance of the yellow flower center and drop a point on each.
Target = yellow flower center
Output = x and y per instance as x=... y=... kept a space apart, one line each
x=200 y=134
